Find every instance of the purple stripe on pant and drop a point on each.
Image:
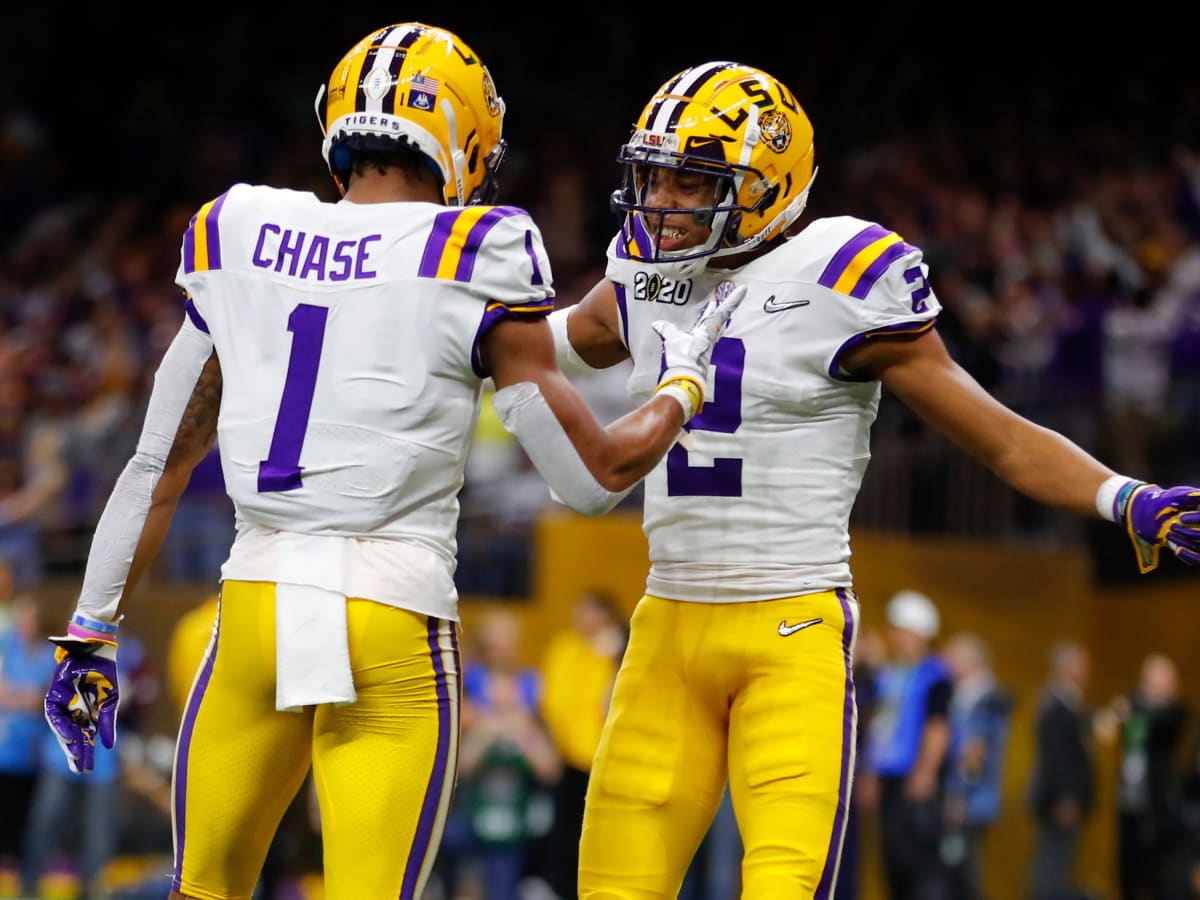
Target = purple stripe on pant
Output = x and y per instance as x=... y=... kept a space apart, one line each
x=424 y=840
x=834 y=854
x=184 y=750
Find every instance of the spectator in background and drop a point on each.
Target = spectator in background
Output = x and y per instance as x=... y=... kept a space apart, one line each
x=25 y=664
x=980 y=716
x=906 y=750
x=490 y=651
x=1062 y=788
x=496 y=652
x=8 y=596
x=34 y=471
x=870 y=654
x=507 y=758
x=1186 y=885
x=578 y=671
x=1148 y=723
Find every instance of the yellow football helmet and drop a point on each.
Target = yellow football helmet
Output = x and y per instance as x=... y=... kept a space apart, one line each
x=422 y=87
x=736 y=124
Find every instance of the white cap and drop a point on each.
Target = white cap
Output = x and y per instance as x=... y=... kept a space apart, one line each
x=914 y=612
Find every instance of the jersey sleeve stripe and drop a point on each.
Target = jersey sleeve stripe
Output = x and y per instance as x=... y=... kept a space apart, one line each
x=495 y=312
x=194 y=314
x=454 y=243
x=474 y=239
x=435 y=246
x=202 y=240
x=875 y=270
x=536 y=278
x=850 y=252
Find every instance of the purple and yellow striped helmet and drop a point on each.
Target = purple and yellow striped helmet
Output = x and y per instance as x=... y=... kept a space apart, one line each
x=421 y=86
x=738 y=125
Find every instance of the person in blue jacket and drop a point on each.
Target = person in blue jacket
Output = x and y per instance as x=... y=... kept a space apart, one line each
x=980 y=718
x=907 y=744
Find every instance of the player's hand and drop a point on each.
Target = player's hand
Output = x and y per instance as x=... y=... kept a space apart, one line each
x=686 y=354
x=82 y=700
x=1157 y=517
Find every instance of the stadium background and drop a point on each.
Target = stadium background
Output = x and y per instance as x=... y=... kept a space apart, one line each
x=113 y=106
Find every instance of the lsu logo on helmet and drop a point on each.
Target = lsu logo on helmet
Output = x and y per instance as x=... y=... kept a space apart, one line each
x=776 y=129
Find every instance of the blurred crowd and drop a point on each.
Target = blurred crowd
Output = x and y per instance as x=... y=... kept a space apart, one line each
x=1067 y=261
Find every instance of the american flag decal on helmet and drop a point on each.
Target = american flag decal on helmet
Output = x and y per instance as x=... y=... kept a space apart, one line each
x=422 y=92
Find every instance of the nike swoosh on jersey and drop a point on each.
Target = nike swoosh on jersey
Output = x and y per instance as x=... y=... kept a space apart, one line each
x=785 y=629
x=772 y=305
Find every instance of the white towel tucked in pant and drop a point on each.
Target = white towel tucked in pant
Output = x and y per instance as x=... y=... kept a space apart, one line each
x=312 y=651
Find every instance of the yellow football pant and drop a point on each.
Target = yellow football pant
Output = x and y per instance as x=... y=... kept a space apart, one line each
x=384 y=766
x=709 y=692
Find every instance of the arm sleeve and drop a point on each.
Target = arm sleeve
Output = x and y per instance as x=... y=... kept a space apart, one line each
x=528 y=417
x=120 y=526
x=571 y=363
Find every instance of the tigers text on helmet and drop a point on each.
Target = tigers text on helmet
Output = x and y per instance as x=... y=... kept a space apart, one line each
x=419 y=86
x=738 y=126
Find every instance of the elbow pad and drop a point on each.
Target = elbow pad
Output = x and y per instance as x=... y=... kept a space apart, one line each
x=527 y=416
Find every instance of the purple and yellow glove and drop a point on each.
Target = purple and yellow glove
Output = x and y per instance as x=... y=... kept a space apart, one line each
x=83 y=696
x=1157 y=517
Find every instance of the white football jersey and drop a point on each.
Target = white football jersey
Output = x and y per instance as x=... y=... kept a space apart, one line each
x=760 y=506
x=348 y=340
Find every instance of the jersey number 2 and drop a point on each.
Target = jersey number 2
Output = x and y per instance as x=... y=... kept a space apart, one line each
x=280 y=471
x=724 y=415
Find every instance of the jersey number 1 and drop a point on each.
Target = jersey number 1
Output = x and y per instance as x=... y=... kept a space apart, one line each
x=280 y=471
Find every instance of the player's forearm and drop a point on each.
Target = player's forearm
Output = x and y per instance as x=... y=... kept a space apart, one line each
x=154 y=532
x=636 y=442
x=1047 y=467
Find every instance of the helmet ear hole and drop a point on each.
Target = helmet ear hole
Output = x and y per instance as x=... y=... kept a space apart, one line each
x=340 y=159
x=768 y=199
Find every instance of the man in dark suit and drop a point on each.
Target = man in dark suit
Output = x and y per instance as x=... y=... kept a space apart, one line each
x=1062 y=789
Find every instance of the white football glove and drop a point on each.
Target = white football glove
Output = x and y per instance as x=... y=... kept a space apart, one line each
x=687 y=353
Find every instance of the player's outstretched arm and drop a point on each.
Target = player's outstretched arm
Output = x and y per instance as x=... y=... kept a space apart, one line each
x=1037 y=461
x=180 y=424
x=588 y=466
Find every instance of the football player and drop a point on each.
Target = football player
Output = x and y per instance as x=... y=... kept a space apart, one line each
x=337 y=353
x=739 y=662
